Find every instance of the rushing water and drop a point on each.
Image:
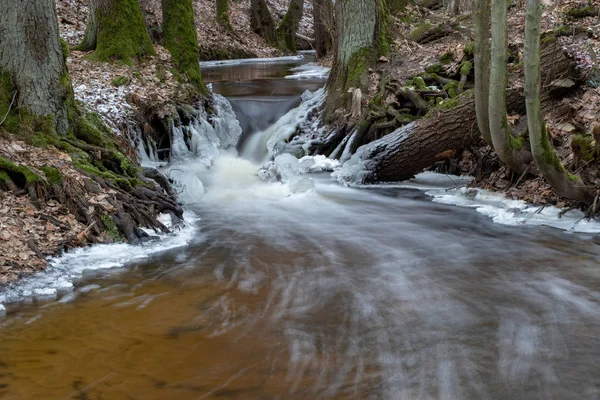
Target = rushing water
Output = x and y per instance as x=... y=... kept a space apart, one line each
x=331 y=293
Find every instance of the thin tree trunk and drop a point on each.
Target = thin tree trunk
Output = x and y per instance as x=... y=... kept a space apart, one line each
x=323 y=26
x=181 y=40
x=359 y=30
x=91 y=29
x=511 y=151
x=223 y=14
x=481 y=24
x=289 y=25
x=261 y=21
x=563 y=183
x=31 y=53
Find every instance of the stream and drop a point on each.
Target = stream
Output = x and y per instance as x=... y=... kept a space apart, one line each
x=329 y=293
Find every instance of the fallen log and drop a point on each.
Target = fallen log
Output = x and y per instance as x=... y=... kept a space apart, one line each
x=441 y=134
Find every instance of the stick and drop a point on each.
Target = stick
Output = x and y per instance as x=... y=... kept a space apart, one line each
x=9 y=108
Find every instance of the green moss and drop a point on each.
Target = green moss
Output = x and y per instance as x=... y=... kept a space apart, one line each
x=448 y=103
x=418 y=83
x=181 y=41
x=19 y=172
x=584 y=144
x=53 y=175
x=121 y=81
x=583 y=12
x=420 y=30
x=65 y=48
x=465 y=68
x=452 y=89
x=111 y=228
x=517 y=143
x=90 y=129
x=469 y=49
x=223 y=14
x=123 y=35
x=447 y=57
x=358 y=66
x=434 y=69
x=549 y=156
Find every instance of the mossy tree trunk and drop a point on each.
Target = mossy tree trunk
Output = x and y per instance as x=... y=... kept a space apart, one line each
x=563 y=183
x=289 y=25
x=481 y=26
x=32 y=62
x=116 y=31
x=223 y=14
x=323 y=26
x=361 y=39
x=261 y=21
x=181 y=40
x=510 y=150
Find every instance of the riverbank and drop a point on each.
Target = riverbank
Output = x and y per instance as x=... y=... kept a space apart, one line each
x=429 y=72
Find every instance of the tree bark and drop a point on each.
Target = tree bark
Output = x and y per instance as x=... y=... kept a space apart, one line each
x=323 y=26
x=563 y=183
x=181 y=40
x=510 y=150
x=223 y=14
x=261 y=21
x=119 y=29
x=90 y=37
x=410 y=149
x=289 y=25
x=31 y=53
x=481 y=25
x=360 y=28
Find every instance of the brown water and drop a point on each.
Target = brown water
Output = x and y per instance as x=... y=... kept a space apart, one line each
x=338 y=294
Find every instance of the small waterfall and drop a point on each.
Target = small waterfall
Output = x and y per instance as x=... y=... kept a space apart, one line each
x=274 y=140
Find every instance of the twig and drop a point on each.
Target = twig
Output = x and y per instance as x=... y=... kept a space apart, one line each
x=522 y=175
x=9 y=107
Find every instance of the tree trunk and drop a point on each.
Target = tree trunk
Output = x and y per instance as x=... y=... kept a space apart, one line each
x=412 y=148
x=510 y=150
x=360 y=27
x=181 y=40
x=481 y=25
x=90 y=37
x=119 y=29
x=323 y=26
x=261 y=21
x=289 y=25
x=223 y=14
x=563 y=183
x=32 y=57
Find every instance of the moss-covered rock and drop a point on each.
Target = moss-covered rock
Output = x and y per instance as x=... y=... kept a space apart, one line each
x=53 y=175
x=452 y=89
x=466 y=67
x=19 y=174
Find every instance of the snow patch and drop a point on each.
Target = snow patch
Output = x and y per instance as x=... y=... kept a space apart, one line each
x=309 y=71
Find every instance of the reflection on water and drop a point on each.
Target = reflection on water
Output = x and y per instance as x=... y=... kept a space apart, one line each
x=339 y=293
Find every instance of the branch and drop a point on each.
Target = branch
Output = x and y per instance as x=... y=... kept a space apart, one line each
x=9 y=107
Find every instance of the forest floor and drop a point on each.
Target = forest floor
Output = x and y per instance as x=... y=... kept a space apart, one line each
x=580 y=40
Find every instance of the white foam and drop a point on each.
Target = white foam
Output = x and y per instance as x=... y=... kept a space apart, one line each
x=63 y=272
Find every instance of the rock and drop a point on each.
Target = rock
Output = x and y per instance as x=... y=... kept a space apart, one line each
x=383 y=59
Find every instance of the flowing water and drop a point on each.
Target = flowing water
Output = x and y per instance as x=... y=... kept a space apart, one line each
x=331 y=293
